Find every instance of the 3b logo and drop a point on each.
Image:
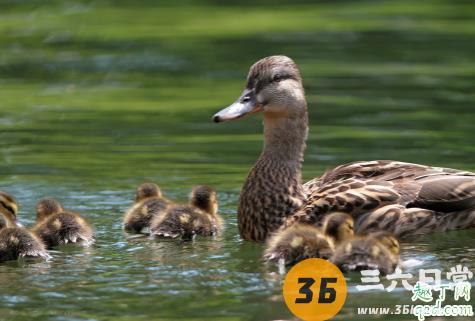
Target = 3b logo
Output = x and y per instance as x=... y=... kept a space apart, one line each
x=305 y=289
x=315 y=290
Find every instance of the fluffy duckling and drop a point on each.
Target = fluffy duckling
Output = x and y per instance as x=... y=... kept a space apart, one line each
x=302 y=241
x=56 y=226
x=16 y=242
x=149 y=202
x=8 y=207
x=378 y=250
x=296 y=243
x=339 y=226
x=200 y=217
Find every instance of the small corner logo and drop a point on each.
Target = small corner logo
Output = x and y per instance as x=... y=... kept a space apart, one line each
x=315 y=290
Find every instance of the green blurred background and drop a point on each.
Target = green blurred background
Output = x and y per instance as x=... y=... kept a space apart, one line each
x=98 y=96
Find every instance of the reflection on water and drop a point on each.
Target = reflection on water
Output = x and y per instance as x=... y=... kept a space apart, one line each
x=97 y=97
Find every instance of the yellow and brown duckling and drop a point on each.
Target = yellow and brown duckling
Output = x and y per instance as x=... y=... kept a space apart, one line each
x=378 y=250
x=149 y=203
x=296 y=243
x=57 y=226
x=339 y=226
x=302 y=241
x=9 y=208
x=199 y=217
x=16 y=242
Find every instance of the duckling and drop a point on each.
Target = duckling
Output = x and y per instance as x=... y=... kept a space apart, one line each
x=296 y=243
x=339 y=226
x=16 y=242
x=8 y=207
x=302 y=241
x=149 y=202
x=378 y=250
x=200 y=217
x=55 y=225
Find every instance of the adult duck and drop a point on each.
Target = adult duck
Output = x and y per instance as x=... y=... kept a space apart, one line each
x=273 y=194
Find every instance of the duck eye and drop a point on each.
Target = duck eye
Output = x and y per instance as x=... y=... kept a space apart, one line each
x=277 y=78
x=246 y=98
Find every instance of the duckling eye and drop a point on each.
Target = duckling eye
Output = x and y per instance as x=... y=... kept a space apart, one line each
x=246 y=98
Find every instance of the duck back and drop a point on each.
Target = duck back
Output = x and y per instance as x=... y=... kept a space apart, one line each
x=139 y=217
x=64 y=228
x=19 y=242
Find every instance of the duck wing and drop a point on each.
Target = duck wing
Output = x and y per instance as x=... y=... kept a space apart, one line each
x=445 y=193
x=386 y=170
x=408 y=222
x=361 y=188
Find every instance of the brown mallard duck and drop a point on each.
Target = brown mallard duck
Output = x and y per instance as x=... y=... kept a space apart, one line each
x=273 y=194
x=302 y=241
x=379 y=250
x=16 y=242
x=57 y=226
x=199 y=217
x=149 y=203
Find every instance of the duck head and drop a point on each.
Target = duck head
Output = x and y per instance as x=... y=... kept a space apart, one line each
x=274 y=87
x=47 y=207
x=339 y=226
x=204 y=198
x=8 y=207
x=147 y=190
x=3 y=221
x=388 y=240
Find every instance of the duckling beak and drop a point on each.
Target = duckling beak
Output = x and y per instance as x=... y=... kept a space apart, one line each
x=245 y=105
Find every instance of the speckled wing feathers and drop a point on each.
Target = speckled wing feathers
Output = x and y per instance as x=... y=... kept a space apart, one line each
x=403 y=198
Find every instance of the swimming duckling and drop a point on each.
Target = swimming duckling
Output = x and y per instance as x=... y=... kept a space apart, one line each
x=56 y=226
x=378 y=250
x=200 y=217
x=149 y=202
x=18 y=242
x=296 y=243
x=339 y=226
x=302 y=241
x=8 y=207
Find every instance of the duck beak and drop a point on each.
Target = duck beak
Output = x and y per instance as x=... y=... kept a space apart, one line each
x=245 y=105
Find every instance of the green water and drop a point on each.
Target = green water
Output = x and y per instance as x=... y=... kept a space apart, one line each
x=98 y=96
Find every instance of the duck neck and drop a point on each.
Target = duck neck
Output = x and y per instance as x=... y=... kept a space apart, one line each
x=273 y=189
x=284 y=140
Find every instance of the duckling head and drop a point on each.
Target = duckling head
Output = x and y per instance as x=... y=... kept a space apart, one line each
x=339 y=226
x=204 y=198
x=47 y=207
x=147 y=190
x=8 y=207
x=274 y=87
x=3 y=221
x=388 y=240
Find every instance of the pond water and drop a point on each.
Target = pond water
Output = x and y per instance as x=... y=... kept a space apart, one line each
x=99 y=96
